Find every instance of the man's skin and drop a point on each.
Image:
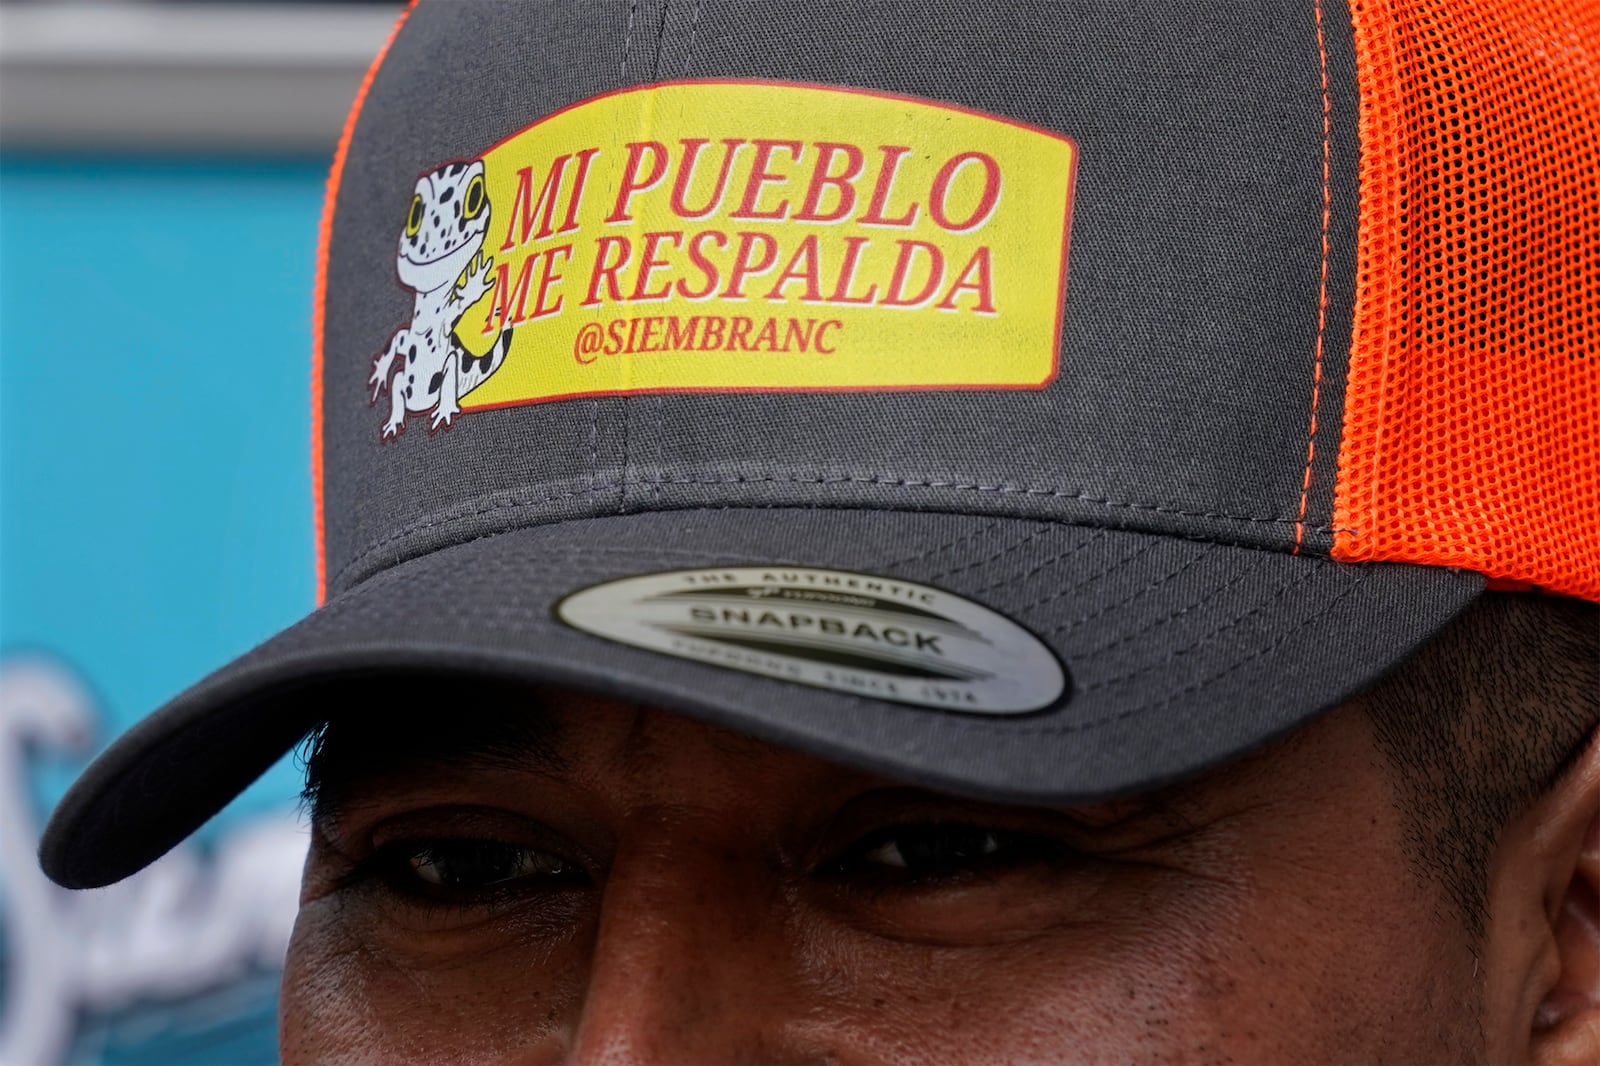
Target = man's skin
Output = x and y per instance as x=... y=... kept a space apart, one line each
x=694 y=896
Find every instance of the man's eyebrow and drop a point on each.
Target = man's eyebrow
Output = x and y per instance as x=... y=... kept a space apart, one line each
x=424 y=720
x=1184 y=805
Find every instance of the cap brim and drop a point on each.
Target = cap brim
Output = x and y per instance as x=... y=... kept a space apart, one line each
x=1180 y=655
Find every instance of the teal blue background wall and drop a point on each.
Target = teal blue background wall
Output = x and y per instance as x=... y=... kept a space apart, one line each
x=155 y=503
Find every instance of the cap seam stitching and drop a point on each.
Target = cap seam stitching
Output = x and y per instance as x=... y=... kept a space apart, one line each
x=1188 y=690
x=694 y=35
x=1145 y=708
x=982 y=531
x=1206 y=638
x=1322 y=287
x=627 y=40
x=1083 y=582
x=1151 y=586
x=435 y=522
x=578 y=551
x=1128 y=638
x=979 y=564
x=661 y=39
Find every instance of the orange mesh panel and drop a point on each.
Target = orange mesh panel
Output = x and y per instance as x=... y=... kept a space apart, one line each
x=1472 y=410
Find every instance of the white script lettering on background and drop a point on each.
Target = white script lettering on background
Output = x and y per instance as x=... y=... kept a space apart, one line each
x=195 y=920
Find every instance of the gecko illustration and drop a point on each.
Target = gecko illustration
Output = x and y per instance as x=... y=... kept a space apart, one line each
x=441 y=259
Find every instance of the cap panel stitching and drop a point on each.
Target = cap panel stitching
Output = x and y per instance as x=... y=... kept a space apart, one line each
x=1127 y=638
x=1188 y=690
x=1172 y=656
x=627 y=41
x=1068 y=553
x=1316 y=566
x=1148 y=587
x=661 y=39
x=694 y=34
x=1023 y=490
x=983 y=531
x=461 y=514
x=1322 y=294
x=972 y=486
x=979 y=564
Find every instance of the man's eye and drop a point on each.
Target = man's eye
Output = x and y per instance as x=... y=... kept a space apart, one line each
x=465 y=866
x=941 y=850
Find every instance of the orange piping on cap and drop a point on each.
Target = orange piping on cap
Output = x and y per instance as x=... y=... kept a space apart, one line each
x=1322 y=290
x=319 y=299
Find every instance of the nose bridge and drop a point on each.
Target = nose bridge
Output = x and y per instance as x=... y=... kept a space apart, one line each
x=689 y=955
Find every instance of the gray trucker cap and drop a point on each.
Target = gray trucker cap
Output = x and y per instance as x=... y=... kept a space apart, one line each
x=953 y=390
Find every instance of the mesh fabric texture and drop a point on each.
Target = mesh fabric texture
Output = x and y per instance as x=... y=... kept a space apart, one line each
x=1470 y=435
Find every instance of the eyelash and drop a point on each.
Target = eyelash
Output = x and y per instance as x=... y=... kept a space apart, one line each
x=979 y=850
x=394 y=865
x=999 y=849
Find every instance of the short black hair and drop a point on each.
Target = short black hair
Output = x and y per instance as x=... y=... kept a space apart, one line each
x=370 y=730
x=1484 y=719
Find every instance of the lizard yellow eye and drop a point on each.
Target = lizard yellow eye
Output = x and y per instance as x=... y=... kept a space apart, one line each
x=414 y=217
x=475 y=198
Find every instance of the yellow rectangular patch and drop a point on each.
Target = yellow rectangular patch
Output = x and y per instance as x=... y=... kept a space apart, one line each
x=726 y=236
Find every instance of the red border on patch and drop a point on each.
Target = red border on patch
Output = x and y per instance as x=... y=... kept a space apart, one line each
x=1061 y=296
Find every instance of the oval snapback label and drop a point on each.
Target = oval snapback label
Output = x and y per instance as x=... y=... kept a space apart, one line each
x=861 y=634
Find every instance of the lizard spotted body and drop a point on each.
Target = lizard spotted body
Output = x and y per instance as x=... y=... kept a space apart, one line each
x=425 y=367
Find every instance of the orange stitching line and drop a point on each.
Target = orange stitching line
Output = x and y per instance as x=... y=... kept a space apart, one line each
x=319 y=299
x=1322 y=295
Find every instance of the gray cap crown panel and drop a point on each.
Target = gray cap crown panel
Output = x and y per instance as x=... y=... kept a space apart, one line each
x=1192 y=297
